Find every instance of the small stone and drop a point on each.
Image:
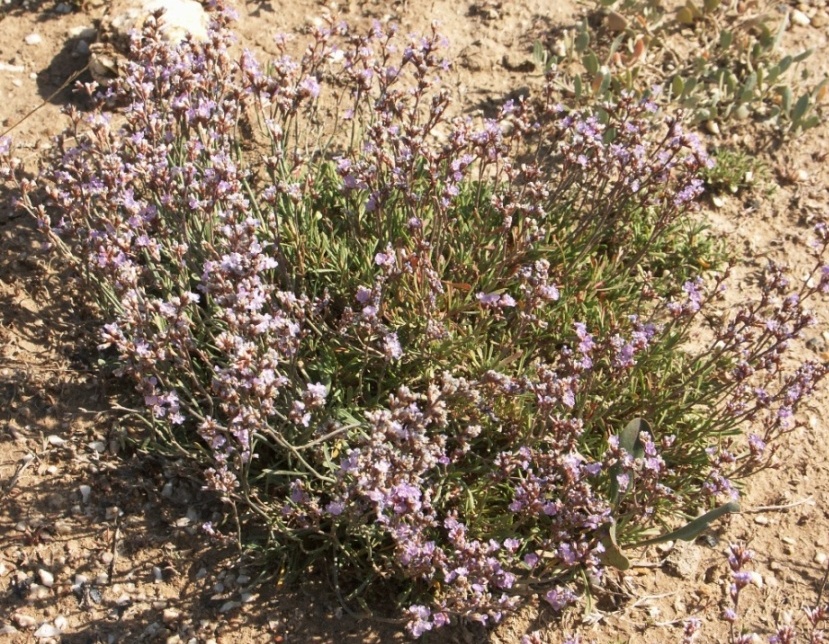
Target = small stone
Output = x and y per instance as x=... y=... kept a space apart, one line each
x=23 y=621
x=82 y=48
x=107 y=557
x=821 y=558
x=98 y=446
x=167 y=490
x=242 y=579
x=46 y=578
x=47 y=630
x=56 y=441
x=712 y=127
x=85 y=32
x=202 y=573
x=788 y=540
x=85 y=491
x=158 y=576
x=249 y=597
x=33 y=39
x=61 y=622
x=8 y=629
x=169 y=615
x=102 y=579
x=63 y=8
x=820 y=20
x=799 y=18
x=229 y=606
x=112 y=512
x=159 y=604
x=37 y=591
x=761 y=520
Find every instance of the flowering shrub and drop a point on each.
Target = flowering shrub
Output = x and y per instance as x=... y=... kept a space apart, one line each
x=404 y=342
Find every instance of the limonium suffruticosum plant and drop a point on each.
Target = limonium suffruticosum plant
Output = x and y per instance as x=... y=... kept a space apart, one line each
x=406 y=343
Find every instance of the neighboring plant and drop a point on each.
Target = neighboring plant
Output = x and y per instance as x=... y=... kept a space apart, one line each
x=407 y=344
x=787 y=630
x=732 y=69
x=735 y=171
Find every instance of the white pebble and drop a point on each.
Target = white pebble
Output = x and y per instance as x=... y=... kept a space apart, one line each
x=800 y=18
x=46 y=578
x=47 y=630
x=33 y=39
x=23 y=621
x=61 y=622
x=821 y=558
x=229 y=606
x=55 y=440
x=761 y=520
x=98 y=446
x=85 y=491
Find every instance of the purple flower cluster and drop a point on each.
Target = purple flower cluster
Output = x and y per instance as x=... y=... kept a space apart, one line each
x=382 y=335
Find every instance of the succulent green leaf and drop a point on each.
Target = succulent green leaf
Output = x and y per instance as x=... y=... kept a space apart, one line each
x=786 y=100
x=800 y=108
x=677 y=85
x=591 y=62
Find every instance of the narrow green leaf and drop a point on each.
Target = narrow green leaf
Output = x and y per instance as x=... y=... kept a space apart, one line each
x=803 y=55
x=629 y=437
x=689 y=531
x=613 y=555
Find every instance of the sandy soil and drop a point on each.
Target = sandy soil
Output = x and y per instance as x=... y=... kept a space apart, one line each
x=99 y=545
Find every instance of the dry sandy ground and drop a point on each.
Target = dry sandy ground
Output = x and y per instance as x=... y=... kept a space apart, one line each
x=103 y=546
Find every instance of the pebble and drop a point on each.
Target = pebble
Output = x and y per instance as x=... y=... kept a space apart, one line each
x=85 y=491
x=82 y=48
x=229 y=606
x=37 y=591
x=56 y=441
x=98 y=446
x=820 y=20
x=776 y=567
x=169 y=615
x=799 y=18
x=8 y=629
x=81 y=31
x=761 y=520
x=46 y=578
x=158 y=576
x=112 y=512
x=23 y=621
x=47 y=630
x=61 y=622
x=63 y=8
x=788 y=540
x=33 y=39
